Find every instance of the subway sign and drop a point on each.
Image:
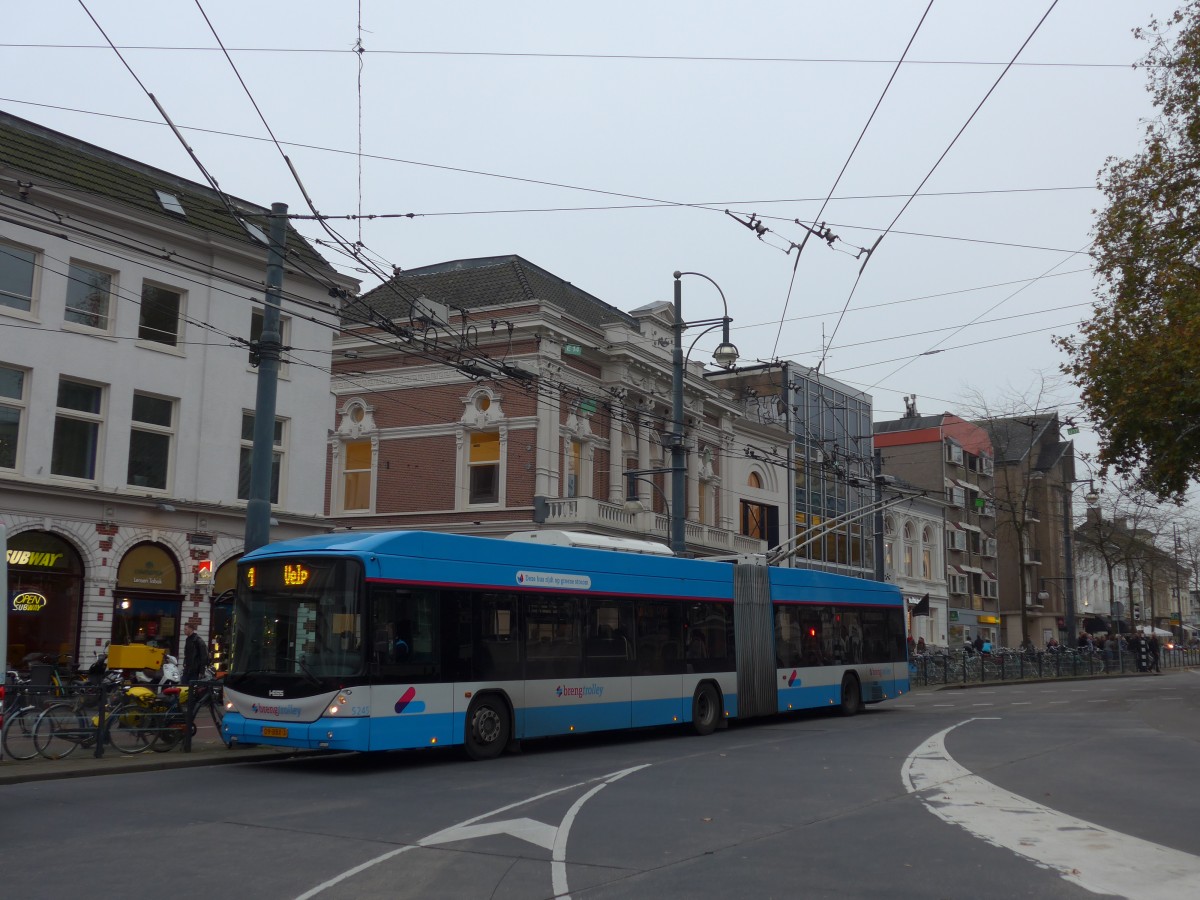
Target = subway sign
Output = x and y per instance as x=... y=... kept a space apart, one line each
x=34 y=558
x=29 y=601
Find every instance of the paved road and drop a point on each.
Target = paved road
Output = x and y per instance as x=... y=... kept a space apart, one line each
x=811 y=805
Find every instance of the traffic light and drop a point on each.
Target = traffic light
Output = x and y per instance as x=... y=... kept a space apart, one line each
x=1137 y=611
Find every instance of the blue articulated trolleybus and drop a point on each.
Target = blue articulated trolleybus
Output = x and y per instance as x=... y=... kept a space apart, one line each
x=403 y=639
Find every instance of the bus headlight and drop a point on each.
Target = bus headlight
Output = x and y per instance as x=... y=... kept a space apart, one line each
x=338 y=705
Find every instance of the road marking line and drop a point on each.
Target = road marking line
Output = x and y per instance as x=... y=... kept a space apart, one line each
x=1088 y=855
x=1022 y=702
x=546 y=836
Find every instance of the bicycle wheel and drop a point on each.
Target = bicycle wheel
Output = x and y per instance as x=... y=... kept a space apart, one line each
x=59 y=730
x=168 y=727
x=129 y=728
x=18 y=733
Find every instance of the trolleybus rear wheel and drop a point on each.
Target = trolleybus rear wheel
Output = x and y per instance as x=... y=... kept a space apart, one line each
x=851 y=696
x=488 y=728
x=706 y=709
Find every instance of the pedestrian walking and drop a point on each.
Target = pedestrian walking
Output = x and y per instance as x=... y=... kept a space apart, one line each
x=1155 y=649
x=195 y=655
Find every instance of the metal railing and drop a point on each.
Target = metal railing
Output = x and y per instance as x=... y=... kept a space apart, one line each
x=960 y=667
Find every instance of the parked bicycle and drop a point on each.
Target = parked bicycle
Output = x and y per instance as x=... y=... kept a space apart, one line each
x=20 y=713
x=160 y=722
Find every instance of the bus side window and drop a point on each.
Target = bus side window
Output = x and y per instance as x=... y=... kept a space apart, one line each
x=406 y=635
x=498 y=653
x=659 y=633
x=608 y=650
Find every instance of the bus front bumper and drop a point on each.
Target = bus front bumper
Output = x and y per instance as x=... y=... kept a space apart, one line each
x=326 y=733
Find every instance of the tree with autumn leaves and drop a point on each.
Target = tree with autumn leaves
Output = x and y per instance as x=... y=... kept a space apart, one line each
x=1135 y=362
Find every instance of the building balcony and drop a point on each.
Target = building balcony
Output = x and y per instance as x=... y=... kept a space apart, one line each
x=602 y=517
x=1033 y=557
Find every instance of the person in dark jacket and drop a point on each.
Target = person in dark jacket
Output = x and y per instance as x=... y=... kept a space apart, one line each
x=195 y=655
x=1154 y=653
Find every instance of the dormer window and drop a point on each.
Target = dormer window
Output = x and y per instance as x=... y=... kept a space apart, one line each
x=171 y=203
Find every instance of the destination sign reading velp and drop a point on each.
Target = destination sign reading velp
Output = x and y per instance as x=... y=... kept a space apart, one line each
x=554 y=580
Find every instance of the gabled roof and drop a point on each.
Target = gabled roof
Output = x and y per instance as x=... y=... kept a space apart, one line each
x=41 y=154
x=1013 y=438
x=491 y=281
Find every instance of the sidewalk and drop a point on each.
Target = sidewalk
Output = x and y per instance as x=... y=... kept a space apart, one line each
x=207 y=750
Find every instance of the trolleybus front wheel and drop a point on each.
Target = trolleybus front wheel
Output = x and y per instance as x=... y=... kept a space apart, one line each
x=851 y=696
x=706 y=709
x=488 y=728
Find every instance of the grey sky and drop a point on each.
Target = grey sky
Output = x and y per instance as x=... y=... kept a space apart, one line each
x=767 y=133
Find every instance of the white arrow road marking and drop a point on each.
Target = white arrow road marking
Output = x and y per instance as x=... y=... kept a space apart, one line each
x=1096 y=858
x=545 y=836
x=525 y=829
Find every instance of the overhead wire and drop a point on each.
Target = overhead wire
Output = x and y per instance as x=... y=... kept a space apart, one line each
x=934 y=168
x=360 y=155
x=587 y=56
x=933 y=349
x=808 y=233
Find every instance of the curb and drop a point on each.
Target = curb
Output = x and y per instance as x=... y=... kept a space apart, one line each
x=23 y=771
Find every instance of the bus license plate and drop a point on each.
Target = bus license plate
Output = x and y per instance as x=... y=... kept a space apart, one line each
x=273 y=731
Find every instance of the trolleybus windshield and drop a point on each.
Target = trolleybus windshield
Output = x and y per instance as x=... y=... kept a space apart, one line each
x=299 y=617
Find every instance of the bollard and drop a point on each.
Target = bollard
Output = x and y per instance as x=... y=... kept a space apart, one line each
x=101 y=710
x=189 y=717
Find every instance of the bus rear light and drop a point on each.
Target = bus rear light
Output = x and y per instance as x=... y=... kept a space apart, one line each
x=332 y=710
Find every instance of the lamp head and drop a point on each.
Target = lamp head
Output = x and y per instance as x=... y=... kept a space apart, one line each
x=726 y=355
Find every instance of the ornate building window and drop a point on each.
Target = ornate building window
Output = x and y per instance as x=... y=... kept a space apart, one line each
x=356 y=459
x=483 y=439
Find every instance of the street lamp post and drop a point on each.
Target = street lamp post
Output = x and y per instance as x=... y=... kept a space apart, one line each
x=632 y=476
x=724 y=356
x=1091 y=497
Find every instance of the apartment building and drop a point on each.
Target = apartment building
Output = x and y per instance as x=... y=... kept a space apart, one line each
x=952 y=460
x=128 y=297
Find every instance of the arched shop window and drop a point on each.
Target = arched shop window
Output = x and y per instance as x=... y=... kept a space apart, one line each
x=45 y=596
x=147 y=605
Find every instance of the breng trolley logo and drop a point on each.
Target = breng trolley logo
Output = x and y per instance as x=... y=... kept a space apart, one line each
x=579 y=691
x=260 y=709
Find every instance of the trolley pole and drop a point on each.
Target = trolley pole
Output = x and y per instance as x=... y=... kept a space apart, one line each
x=258 y=510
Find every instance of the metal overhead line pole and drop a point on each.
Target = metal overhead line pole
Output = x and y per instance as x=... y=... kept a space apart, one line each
x=1068 y=565
x=258 y=509
x=678 y=459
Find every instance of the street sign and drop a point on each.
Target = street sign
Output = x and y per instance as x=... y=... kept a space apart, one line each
x=572 y=350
